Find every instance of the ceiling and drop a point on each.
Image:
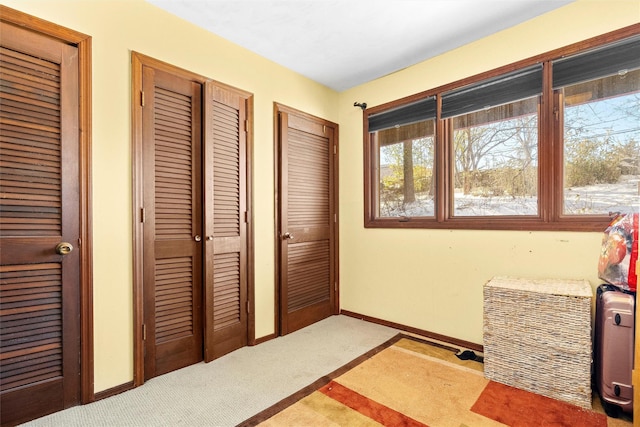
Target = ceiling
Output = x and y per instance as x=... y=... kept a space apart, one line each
x=344 y=43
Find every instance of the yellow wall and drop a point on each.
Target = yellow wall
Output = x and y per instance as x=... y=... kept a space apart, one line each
x=117 y=28
x=433 y=279
x=426 y=279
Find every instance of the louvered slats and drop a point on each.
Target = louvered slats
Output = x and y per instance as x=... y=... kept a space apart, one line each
x=197 y=208
x=308 y=201
x=226 y=214
x=30 y=205
x=174 y=277
x=226 y=171
x=173 y=299
x=171 y=121
x=225 y=162
x=308 y=205
x=308 y=274
x=30 y=156
x=226 y=290
x=173 y=165
x=308 y=191
x=31 y=324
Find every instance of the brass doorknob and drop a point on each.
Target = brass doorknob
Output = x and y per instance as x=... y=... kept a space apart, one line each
x=63 y=248
x=287 y=236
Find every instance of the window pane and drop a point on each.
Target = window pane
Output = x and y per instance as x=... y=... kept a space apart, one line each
x=406 y=170
x=496 y=160
x=602 y=145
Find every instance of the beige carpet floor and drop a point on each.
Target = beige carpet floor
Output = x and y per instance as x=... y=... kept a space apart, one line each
x=234 y=387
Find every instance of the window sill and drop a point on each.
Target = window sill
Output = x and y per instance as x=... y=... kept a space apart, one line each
x=591 y=224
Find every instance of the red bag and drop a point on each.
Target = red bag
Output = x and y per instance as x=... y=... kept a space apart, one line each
x=619 y=254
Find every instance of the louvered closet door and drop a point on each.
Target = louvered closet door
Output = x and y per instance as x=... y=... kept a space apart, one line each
x=39 y=288
x=226 y=228
x=307 y=250
x=172 y=222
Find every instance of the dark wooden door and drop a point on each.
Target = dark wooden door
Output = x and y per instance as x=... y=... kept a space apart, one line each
x=226 y=222
x=190 y=172
x=39 y=226
x=172 y=215
x=307 y=228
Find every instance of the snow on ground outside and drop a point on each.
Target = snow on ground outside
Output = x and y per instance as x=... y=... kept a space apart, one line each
x=592 y=199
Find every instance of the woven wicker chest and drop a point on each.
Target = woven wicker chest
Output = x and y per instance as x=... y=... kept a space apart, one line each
x=537 y=336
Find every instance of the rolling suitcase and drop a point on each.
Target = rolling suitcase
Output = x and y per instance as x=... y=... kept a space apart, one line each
x=613 y=348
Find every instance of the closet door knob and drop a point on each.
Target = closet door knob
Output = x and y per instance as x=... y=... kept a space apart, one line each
x=64 y=248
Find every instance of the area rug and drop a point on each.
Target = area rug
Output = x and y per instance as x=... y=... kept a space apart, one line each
x=412 y=382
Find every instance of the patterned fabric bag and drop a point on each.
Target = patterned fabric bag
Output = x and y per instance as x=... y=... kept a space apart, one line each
x=619 y=254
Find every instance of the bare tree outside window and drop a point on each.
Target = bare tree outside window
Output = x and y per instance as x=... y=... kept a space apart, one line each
x=406 y=167
x=496 y=161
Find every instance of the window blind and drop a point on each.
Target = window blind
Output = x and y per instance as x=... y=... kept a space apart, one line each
x=492 y=92
x=415 y=112
x=605 y=61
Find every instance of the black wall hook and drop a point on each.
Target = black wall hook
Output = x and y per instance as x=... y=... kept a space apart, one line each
x=362 y=105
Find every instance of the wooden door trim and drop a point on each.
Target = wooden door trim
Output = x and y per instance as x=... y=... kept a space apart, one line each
x=138 y=61
x=277 y=109
x=83 y=44
x=251 y=327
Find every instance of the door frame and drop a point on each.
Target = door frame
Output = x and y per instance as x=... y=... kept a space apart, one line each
x=83 y=43
x=138 y=61
x=277 y=151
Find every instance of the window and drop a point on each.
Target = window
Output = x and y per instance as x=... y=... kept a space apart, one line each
x=600 y=92
x=494 y=145
x=495 y=164
x=602 y=145
x=404 y=150
x=550 y=143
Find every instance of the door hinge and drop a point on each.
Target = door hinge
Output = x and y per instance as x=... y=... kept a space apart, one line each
x=248 y=307
x=142 y=215
x=324 y=129
x=144 y=332
x=335 y=286
x=335 y=149
x=335 y=218
x=246 y=217
x=142 y=98
x=246 y=126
